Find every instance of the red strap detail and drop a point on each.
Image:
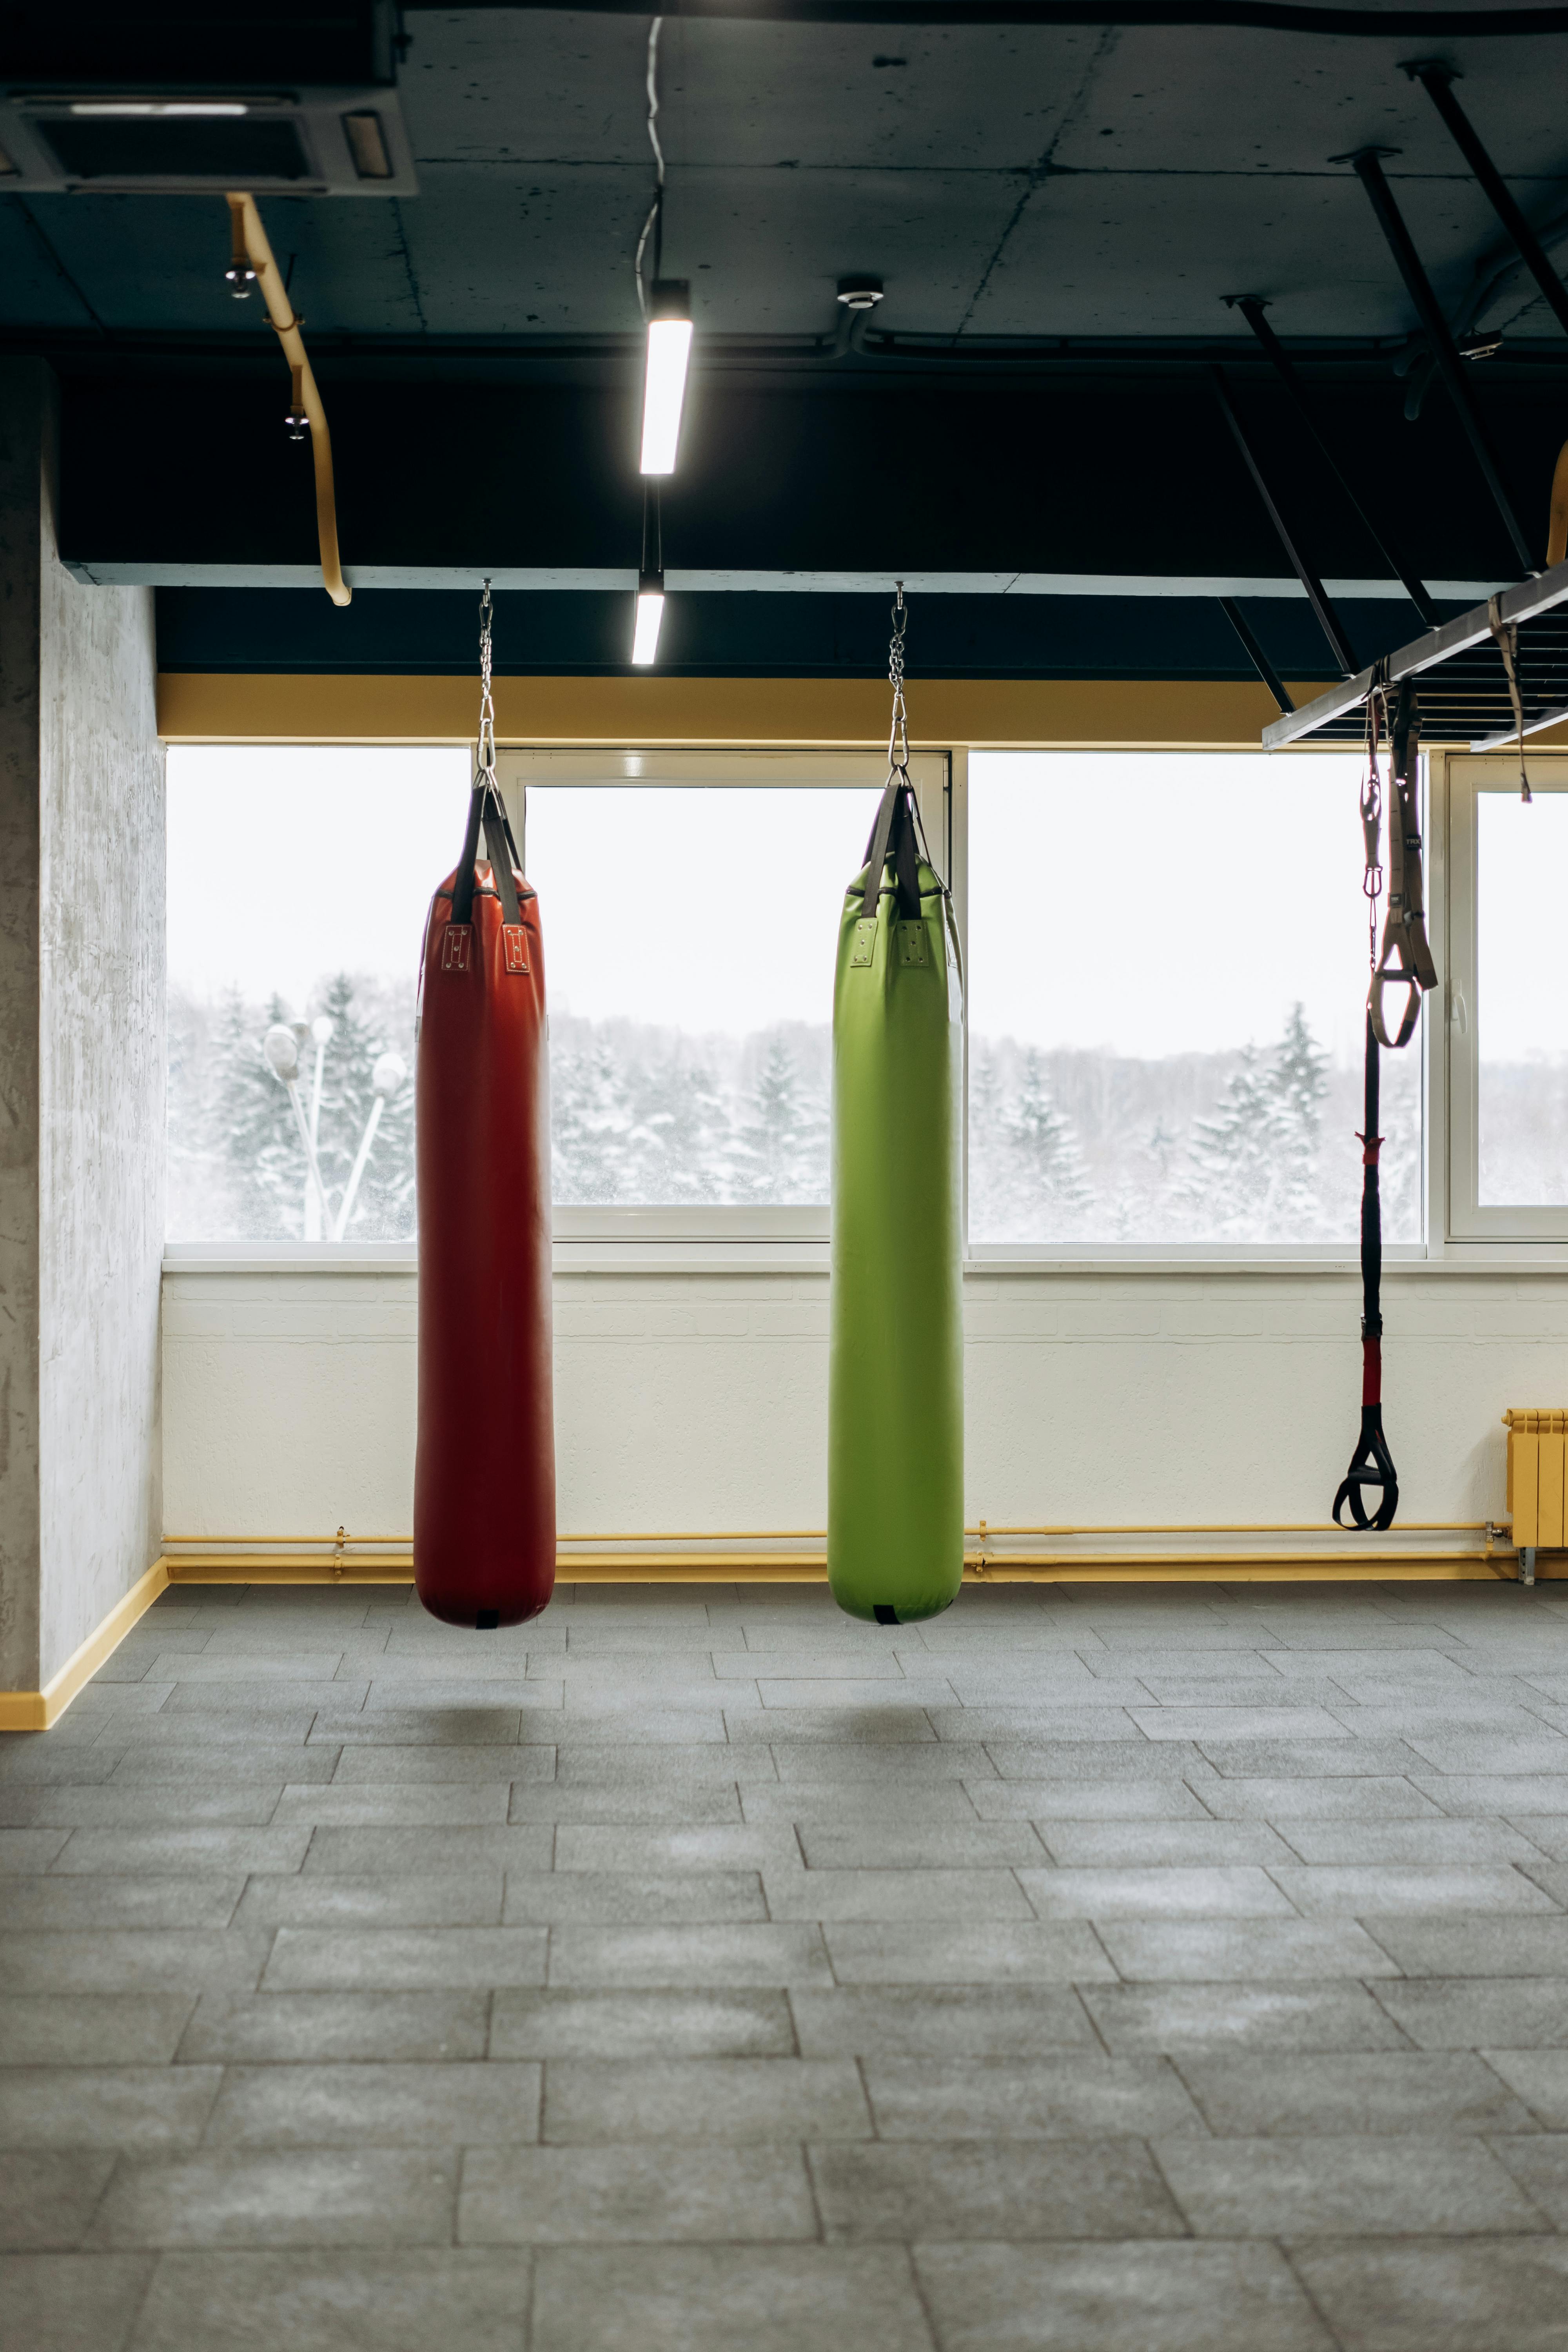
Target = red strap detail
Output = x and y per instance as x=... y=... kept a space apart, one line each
x=1370 y=1149
x=1372 y=1371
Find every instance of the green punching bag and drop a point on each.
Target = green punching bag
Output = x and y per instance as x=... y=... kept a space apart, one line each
x=895 y=1457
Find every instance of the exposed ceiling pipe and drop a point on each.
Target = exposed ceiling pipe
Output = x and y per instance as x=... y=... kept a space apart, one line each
x=250 y=241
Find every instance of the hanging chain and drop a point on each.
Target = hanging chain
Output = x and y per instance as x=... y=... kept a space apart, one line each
x=487 y=707
x=1371 y=818
x=898 y=732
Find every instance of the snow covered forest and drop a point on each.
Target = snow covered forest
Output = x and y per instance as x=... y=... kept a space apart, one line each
x=1082 y=1147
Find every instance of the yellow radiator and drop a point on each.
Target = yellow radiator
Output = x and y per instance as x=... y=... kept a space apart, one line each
x=1537 y=1479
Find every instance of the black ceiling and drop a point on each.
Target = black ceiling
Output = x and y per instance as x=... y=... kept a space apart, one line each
x=1050 y=205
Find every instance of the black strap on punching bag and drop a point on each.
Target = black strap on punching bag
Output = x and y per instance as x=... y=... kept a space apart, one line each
x=487 y=807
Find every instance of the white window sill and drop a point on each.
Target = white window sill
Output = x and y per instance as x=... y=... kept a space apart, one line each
x=749 y=1253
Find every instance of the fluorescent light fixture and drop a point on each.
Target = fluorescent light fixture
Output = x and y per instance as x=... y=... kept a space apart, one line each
x=202 y=106
x=663 y=376
x=650 y=614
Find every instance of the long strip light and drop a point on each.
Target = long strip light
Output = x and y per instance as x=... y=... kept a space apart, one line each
x=651 y=616
x=204 y=106
x=664 y=373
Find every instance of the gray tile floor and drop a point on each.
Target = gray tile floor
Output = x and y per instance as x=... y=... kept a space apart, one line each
x=1174 y=1969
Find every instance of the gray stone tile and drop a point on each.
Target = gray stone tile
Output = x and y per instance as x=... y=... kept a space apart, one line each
x=1494 y=1795
x=1134 y=1758
x=654 y=2195
x=1540 y=2079
x=146 y=1804
x=744 y=2100
x=125 y=1851
x=70 y=2303
x=1493 y=1752
x=248 y=1665
x=42 y=1904
x=740 y=1956
x=660 y=2024
x=1425 y=1841
x=936 y=1845
x=1429 y=2297
x=1551 y=1877
x=1187 y=2018
x=1175 y=2297
x=635 y=1765
x=1381 y=1799
x=205 y=1769
x=625 y=1807
x=25 y=1760
x=132 y=1960
x=422 y=1715
x=1161 y=1893
x=262 y=1695
x=384 y=1767
x=858 y=1803
x=92 y=2029
x=302 y=2027
x=1075 y=2093
x=709 y=2298
x=656 y=1847
x=1345 y=1758
x=1017 y=2189
x=1044 y=1952
x=1143 y=1845
x=399 y=1960
x=469 y=1897
x=941 y=2021
x=363 y=1852
x=29 y=1850
x=405 y=2300
x=485 y=2103
x=48 y=2196
x=623 y=1897
x=1224 y=1723
x=926 y=1897
x=1283 y=2094
x=1548 y=1832
x=148 y=1740
x=1212 y=1949
x=468 y=1804
x=1481 y=2013
x=1539 y=2162
x=1297 y=2188
x=841 y=1761
x=147 y=2108
x=1163 y=1799
x=303 y=2197
x=1511 y=1946
x=1383 y=1889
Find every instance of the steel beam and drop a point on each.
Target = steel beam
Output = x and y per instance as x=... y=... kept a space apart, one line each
x=1316 y=595
x=1437 y=79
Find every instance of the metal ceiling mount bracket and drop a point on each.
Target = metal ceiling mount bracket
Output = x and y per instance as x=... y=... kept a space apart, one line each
x=1367 y=164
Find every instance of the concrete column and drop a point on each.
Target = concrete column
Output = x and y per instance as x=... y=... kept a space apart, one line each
x=82 y=1050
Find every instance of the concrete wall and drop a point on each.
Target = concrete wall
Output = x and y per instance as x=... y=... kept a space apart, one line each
x=697 y=1403
x=83 y=1046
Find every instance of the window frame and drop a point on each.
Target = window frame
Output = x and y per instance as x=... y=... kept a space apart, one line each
x=590 y=1230
x=1465 y=1219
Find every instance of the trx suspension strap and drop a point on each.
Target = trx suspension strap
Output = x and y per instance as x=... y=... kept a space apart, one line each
x=1370 y=1485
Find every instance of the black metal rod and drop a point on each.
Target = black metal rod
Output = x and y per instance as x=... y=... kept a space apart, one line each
x=1437 y=79
x=1251 y=310
x=1316 y=595
x=1255 y=654
x=1445 y=350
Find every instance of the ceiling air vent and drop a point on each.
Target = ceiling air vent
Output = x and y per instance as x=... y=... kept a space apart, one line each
x=344 y=141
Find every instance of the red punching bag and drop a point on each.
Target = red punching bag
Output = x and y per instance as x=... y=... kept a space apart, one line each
x=484 y=1477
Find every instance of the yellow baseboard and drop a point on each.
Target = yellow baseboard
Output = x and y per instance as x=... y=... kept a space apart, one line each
x=36 y=1710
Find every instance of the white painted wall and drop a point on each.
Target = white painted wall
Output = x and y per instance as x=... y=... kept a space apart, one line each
x=697 y=1401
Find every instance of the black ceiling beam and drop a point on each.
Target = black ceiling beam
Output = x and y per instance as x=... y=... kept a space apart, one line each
x=1316 y=595
x=1368 y=167
x=1251 y=310
x=1256 y=16
x=1256 y=655
x=1437 y=79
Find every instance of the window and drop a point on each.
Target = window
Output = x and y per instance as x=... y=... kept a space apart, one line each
x=1168 y=971
x=299 y=882
x=1508 y=1066
x=690 y=905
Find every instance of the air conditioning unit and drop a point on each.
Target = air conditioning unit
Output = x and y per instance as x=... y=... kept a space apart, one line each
x=172 y=99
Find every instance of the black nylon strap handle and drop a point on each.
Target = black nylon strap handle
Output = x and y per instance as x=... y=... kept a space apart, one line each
x=487 y=807
x=1372 y=1465
x=893 y=834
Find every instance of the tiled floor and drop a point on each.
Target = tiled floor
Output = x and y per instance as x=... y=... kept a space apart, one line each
x=1137 y=1969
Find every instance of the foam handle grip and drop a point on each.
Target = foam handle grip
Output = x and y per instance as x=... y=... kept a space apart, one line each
x=484 y=1476
x=895 y=1461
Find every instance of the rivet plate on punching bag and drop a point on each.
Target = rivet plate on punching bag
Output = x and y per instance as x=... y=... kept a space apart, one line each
x=864 y=945
x=514 y=941
x=911 y=943
x=455 y=942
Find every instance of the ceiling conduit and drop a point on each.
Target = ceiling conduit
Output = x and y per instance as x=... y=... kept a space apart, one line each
x=250 y=241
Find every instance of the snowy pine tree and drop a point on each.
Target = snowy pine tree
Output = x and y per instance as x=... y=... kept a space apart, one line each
x=1044 y=1160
